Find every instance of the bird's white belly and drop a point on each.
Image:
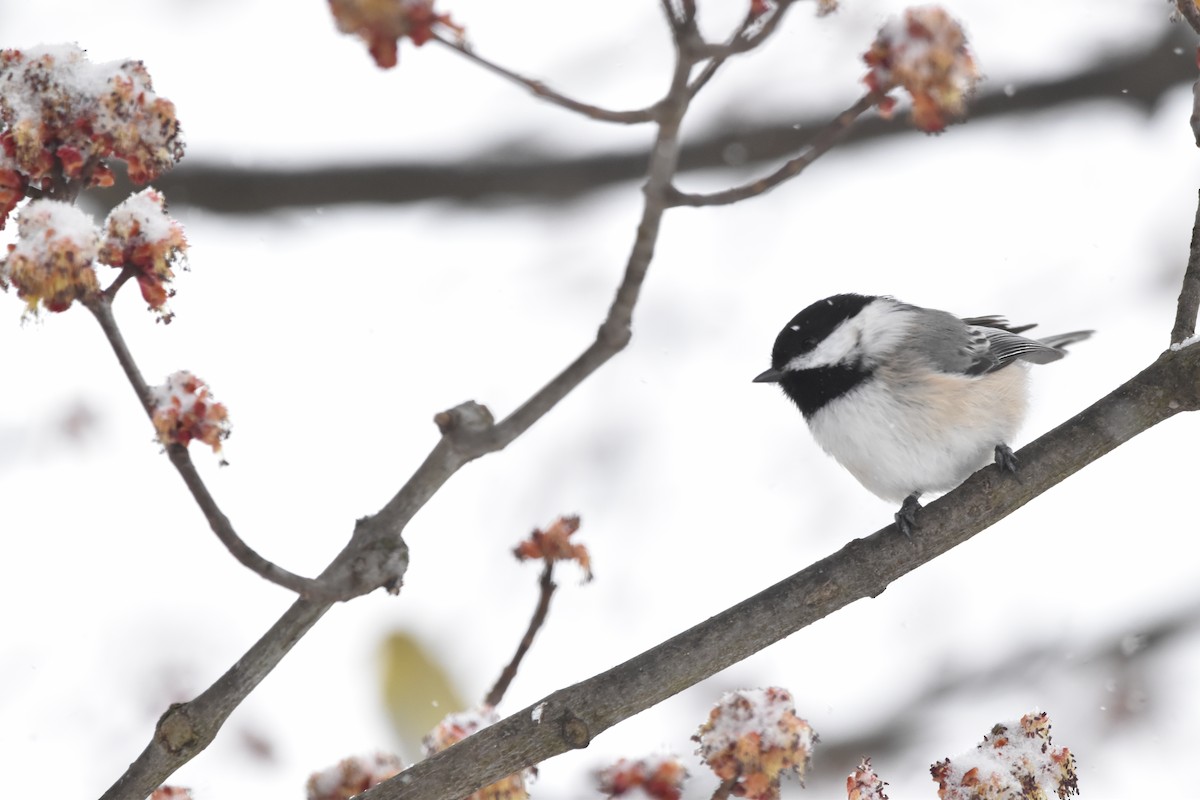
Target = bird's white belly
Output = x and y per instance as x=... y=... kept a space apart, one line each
x=903 y=437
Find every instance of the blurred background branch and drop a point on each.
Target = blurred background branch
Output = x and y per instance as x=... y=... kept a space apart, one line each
x=1140 y=78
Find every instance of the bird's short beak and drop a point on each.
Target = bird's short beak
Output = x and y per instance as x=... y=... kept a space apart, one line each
x=769 y=376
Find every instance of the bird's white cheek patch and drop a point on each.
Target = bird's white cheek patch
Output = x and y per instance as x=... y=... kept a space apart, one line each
x=838 y=347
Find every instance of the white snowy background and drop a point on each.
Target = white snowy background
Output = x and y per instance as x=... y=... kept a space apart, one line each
x=333 y=335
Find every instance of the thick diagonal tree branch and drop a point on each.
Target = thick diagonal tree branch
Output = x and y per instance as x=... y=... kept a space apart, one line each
x=572 y=717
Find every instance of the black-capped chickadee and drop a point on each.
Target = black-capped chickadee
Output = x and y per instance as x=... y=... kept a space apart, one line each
x=908 y=399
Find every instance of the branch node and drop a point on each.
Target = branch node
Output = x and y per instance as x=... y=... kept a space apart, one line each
x=615 y=334
x=176 y=731
x=574 y=731
x=470 y=418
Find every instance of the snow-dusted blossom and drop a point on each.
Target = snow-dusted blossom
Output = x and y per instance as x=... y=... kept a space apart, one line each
x=865 y=784
x=352 y=776
x=925 y=52
x=657 y=778
x=184 y=410
x=383 y=23
x=553 y=544
x=51 y=261
x=1016 y=761
x=63 y=114
x=754 y=738
x=140 y=235
x=455 y=728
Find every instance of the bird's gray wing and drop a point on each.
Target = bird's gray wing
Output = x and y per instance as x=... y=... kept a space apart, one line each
x=979 y=345
x=950 y=345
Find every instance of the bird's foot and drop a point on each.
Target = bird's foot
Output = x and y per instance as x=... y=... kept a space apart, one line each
x=906 y=517
x=1006 y=460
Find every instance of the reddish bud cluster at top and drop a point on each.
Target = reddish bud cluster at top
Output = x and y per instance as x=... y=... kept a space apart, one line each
x=139 y=235
x=62 y=116
x=383 y=23
x=352 y=776
x=754 y=738
x=553 y=544
x=645 y=779
x=925 y=52
x=456 y=727
x=183 y=410
x=1015 y=761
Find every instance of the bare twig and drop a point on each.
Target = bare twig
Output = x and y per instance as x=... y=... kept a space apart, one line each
x=570 y=718
x=102 y=310
x=1189 y=292
x=546 y=586
x=833 y=133
x=544 y=92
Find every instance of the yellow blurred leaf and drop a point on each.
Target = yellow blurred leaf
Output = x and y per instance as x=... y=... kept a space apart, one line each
x=417 y=692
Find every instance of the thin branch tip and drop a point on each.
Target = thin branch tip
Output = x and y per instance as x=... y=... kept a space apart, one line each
x=542 y=91
x=835 y=131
